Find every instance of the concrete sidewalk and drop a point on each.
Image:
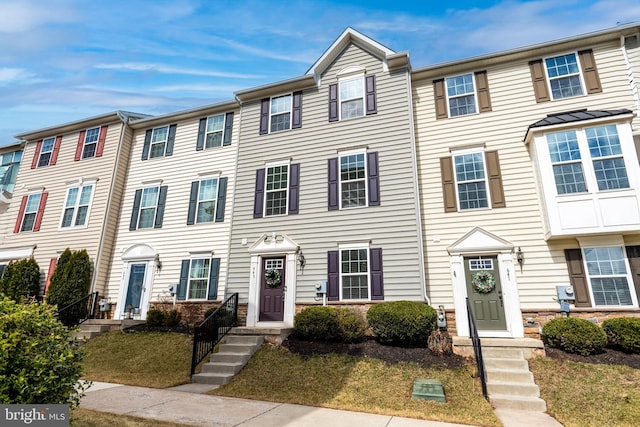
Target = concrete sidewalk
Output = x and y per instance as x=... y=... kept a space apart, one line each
x=207 y=410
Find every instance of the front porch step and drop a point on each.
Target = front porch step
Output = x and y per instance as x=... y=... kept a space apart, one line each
x=522 y=403
x=271 y=335
x=232 y=355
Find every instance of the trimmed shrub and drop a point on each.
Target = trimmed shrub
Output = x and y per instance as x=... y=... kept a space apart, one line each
x=71 y=279
x=172 y=318
x=623 y=333
x=574 y=335
x=38 y=362
x=351 y=326
x=402 y=323
x=316 y=323
x=21 y=280
x=155 y=317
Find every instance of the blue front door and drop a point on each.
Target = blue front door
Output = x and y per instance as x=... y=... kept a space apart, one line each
x=135 y=287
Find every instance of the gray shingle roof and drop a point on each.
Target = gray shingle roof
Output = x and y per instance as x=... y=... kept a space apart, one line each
x=577 y=116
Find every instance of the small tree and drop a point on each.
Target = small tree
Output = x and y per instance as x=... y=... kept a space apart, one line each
x=21 y=280
x=71 y=279
x=38 y=363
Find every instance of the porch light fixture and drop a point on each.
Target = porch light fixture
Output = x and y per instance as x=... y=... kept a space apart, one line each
x=158 y=263
x=301 y=260
x=520 y=257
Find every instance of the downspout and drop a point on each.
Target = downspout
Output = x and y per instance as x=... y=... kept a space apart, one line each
x=635 y=90
x=125 y=121
x=416 y=189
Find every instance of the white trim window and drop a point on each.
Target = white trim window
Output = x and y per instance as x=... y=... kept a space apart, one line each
x=276 y=189
x=90 y=142
x=461 y=95
x=355 y=282
x=9 y=165
x=570 y=151
x=207 y=200
x=30 y=212
x=563 y=75
x=609 y=276
x=148 y=207
x=353 y=179
x=46 y=151
x=198 y=283
x=471 y=179
x=159 y=138
x=351 y=93
x=215 y=131
x=280 y=108
x=76 y=206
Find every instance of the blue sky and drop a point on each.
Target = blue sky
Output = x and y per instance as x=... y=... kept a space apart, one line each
x=64 y=60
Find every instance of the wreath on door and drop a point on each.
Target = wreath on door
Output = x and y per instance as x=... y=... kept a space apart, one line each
x=273 y=278
x=483 y=282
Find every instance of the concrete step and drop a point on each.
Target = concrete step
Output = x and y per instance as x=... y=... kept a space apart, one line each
x=515 y=364
x=211 y=378
x=244 y=339
x=509 y=375
x=237 y=348
x=94 y=328
x=230 y=358
x=513 y=389
x=222 y=367
x=502 y=353
x=518 y=402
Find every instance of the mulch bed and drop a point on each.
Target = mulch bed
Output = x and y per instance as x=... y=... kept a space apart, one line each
x=608 y=357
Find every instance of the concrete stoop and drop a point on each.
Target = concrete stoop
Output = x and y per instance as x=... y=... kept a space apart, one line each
x=91 y=328
x=232 y=355
x=510 y=384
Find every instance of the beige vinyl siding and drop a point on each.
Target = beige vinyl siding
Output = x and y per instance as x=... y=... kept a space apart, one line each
x=391 y=226
x=52 y=240
x=503 y=129
x=176 y=240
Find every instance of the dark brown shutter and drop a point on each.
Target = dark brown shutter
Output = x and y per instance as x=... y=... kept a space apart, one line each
x=372 y=103
x=36 y=155
x=495 y=180
x=577 y=277
x=184 y=279
x=193 y=202
x=333 y=276
x=258 y=199
x=162 y=199
x=222 y=199
x=539 y=80
x=448 y=184
x=133 y=223
x=373 y=178
x=334 y=191
x=296 y=110
x=377 y=284
x=589 y=71
x=633 y=254
x=228 y=128
x=56 y=150
x=101 y=140
x=264 y=116
x=482 y=87
x=147 y=144
x=636 y=142
x=170 y=139
x=202 y=127
x=333 y=102
x=23 y=205
x=294 y=188
x=440 y=99
x=80 y=145
x=40 y=213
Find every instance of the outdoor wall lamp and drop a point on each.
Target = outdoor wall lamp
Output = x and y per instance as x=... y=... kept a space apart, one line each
x=301 y=260
x=158 y=263
x=520 y=257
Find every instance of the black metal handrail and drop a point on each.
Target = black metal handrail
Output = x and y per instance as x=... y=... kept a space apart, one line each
x=477 y=350
x=79 y=310
x=209 y=333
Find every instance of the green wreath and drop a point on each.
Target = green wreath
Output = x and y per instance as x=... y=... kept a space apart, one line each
x=483 y=282
x=273 y=278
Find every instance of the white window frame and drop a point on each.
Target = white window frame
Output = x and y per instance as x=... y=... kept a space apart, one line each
x=155 y=207
x=207 y=277
x=354 y=247
x=163 y=142
x=34 y=212
x=90 y=139
x=342 y=154
x=586 y=160
x=51 y=140
x=346 y=79
x=9 y=162
x=215 y=200
x=473 y=93
x=288 y=112
x=76 y=206
x=211 y=132
x=267 y=191
x=468 y=151
x=579 y=74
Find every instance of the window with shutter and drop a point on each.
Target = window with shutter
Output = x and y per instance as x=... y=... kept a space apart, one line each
x=199 y=279
x=206 y=201
x=353 y=180
x=565 y=76
x=353 y=96
x=355 y=273
x=462 y=95
x=159 y=142
x=148 y=207
x=277 y=190
x=31 y=212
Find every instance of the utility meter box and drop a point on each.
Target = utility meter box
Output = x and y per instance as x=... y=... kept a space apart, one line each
x=565 y=293
x=173 y=289
x=321 y=287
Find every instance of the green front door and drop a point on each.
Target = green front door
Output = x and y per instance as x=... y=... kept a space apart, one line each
x=486 y=302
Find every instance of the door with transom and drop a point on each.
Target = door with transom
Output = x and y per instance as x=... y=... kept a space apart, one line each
x=487 y=308
x=272 y=289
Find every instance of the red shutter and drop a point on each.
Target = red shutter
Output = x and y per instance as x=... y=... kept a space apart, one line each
x=56 y=148
x=52 y=268
x=43 y=202
x=23 y=205
x=36 y=155
x=101 y=139
x=80 y=145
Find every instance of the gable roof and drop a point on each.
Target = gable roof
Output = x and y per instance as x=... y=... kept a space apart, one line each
x=567 y=117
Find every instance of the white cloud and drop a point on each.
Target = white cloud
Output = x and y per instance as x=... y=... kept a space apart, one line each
x=158 y=68
x=10 y=75
x=24 y=15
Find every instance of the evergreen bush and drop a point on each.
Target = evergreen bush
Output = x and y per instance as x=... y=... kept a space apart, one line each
x=21 y=280
x=351 y=326
x=155 y=317
x=316 y=323
x=402 y=323
x=574 y=335
x=172 y=318
x=38 y=362
x=623 y=333
x=71 y=279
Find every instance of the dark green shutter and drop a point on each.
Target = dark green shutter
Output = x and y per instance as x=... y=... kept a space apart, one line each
x=162 y=198
x=184 y=279
x=222 y=198
x=147 y=144
x=202 y=127
x=170 y=139
x=193 y=202
x=214 y=277
x=133 y=223
x=228 y=127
